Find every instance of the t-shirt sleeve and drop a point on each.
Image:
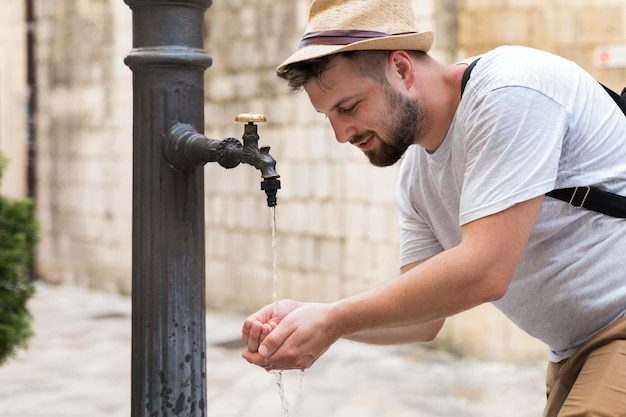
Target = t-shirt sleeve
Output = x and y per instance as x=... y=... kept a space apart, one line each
x=417 y=239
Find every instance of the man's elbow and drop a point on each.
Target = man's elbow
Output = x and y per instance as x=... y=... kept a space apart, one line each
x=431 y=330
x=494 y=287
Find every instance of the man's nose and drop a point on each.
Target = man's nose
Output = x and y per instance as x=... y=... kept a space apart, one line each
x=343 y=131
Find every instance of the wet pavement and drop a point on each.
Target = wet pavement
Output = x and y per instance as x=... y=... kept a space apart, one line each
x=78 y=364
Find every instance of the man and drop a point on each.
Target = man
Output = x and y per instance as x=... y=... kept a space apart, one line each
x=475 y=225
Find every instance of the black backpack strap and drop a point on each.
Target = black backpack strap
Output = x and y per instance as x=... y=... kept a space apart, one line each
x=466 y=75
x=620 y=100
x=593 y=199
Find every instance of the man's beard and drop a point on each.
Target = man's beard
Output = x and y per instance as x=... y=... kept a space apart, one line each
x=405 y=127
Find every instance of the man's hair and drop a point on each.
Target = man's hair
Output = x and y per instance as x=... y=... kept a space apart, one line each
x=367 y=63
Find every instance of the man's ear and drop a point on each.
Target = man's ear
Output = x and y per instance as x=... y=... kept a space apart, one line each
x=402 y=68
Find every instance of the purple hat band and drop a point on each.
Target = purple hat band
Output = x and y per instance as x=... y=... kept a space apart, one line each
x=342 y=37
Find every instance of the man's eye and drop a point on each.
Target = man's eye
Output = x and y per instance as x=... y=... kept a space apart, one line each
x=350 y=109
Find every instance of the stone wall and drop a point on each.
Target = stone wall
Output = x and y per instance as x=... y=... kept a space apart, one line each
x=336 y=217
x=572 y=29
x=84 y=137
x=13 y=98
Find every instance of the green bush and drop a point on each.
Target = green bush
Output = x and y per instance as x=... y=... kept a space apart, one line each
x=18 y=234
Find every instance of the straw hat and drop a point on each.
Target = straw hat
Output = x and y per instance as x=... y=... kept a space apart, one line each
x=351 y=25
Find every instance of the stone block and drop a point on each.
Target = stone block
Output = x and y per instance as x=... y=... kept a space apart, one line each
x=600 y=25
x=355 y=219
x=331 y=221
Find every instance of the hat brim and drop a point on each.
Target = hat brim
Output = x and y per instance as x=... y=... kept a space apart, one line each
x=421 y=41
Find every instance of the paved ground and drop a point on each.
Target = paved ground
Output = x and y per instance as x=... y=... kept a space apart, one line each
x=78 y=365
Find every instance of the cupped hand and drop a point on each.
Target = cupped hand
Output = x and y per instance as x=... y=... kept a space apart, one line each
x=257 y=326
x=298 y=339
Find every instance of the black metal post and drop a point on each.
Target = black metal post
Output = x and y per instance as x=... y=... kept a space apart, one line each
x=168 y=375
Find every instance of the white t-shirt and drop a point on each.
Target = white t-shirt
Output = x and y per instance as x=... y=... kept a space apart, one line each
x=529 y=122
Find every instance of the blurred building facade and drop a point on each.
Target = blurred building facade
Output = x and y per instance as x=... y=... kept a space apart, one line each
x=336 y=216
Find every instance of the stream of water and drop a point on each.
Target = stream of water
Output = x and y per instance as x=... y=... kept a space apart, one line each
x=279 y=374
x=275 y=260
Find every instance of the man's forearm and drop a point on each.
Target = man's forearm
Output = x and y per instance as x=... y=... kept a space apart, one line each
x=424 y=332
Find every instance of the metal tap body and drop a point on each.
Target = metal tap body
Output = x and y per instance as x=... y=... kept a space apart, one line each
x=185 y=147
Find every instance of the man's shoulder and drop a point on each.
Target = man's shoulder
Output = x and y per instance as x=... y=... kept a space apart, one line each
x=529 y=71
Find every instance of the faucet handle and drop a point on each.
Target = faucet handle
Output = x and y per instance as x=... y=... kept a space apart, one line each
x=251 y=118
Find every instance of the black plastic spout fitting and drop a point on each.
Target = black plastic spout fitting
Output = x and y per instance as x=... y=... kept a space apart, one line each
x=271 y=187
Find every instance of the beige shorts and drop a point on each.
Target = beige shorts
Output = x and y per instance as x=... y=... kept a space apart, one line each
x=592 y=382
